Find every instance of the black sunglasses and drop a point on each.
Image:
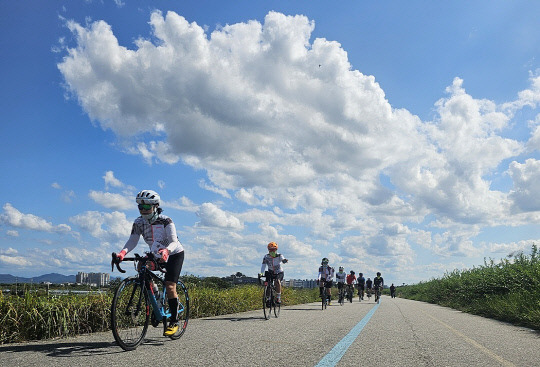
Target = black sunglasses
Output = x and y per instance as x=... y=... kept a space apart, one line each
x=145 y=206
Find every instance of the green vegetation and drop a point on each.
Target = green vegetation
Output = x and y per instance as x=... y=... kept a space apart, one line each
x=37 y=316
x=507 y=291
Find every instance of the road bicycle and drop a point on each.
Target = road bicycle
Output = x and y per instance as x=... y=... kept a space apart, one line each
x=140 y=300
x=360 y=293
x=269 y=296
x=325 y=297
x=368 y=293
x=350 y=292
x=341 y=295
x=378 y=294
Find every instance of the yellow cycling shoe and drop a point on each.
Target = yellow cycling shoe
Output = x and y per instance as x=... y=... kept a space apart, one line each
x=171 y=330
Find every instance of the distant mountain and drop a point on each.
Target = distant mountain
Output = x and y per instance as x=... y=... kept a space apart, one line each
x=52 y=278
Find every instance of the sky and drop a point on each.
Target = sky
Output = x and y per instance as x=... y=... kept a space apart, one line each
x=400 y=137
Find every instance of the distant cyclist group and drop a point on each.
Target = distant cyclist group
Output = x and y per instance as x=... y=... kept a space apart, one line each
x=346 y=282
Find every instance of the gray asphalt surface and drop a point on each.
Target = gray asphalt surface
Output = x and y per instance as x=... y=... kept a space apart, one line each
x=400 y=333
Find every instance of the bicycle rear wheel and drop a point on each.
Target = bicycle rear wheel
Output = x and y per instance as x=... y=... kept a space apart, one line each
x=267 y=306
x=130 y=314
x=183 y=309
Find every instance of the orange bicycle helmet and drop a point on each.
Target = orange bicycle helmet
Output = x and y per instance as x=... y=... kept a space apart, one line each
x=272 y=246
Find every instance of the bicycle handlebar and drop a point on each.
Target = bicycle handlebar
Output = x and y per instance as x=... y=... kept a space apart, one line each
x=137 y=257
x=116 y=261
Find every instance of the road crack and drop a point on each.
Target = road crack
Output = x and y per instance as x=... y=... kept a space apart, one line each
x=425 y=357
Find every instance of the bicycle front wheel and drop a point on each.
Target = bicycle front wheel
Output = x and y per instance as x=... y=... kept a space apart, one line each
x=130 y=314
x=183 y=309
x=267 y=306
x=277 y=307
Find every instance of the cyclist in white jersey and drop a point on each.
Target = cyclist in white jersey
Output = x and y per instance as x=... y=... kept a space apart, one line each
x=273 y=260
x=325 y=278
x=340 y=278
x=159 y=233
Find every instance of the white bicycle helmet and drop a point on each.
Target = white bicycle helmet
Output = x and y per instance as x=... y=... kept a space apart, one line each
x=147 y=197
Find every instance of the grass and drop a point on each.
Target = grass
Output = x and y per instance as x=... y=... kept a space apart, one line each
x=507 y=291
x=34 y=316
x=37 y=316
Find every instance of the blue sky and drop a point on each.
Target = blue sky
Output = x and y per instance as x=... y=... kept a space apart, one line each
x=400 y=137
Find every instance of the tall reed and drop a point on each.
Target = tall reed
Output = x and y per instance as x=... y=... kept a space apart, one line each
x=34 y=317
x=508 y=290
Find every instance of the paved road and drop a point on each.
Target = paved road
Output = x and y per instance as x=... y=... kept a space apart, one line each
x=402 y=332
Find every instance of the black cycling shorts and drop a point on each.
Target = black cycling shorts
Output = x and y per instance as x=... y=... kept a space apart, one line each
x=327 y=284
x=278 y=276
x=174 y=267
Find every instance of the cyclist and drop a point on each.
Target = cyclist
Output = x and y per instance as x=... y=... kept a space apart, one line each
x=274 y=260
x=369 y=285
x=378 y=282
x=350 y=284
x=361 y=281
x=159 y=232
x=340 y=278
x=393 y=291
x=326 y=274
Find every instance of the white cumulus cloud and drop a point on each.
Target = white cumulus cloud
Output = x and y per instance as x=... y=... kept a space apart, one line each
x=278 y=119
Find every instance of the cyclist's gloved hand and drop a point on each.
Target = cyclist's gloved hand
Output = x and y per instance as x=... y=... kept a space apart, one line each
x=164 y=253
x=285 y=261
x=261 y=275
x=150 y=265
x=121 y=255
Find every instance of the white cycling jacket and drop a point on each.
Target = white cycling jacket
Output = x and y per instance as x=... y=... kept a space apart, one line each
x=326 y=272
x=273 y=263
x=158 y=235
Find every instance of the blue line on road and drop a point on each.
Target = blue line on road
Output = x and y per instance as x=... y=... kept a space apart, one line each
x=333 y=357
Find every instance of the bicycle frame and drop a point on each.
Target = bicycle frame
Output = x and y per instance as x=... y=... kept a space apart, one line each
x=349 y=292
x=145 y=276
x=132 y=310
x=159 y=310
x=342 y=294
x=324 y=295
x=269 y=296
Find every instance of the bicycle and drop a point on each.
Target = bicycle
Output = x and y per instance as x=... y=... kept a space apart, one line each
x=341 y=295
x=368 y=293
x=269 y=296
x=360 y=293
x=378 y=294
x=350 y=292
x=325 y=297
x=135 y=304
